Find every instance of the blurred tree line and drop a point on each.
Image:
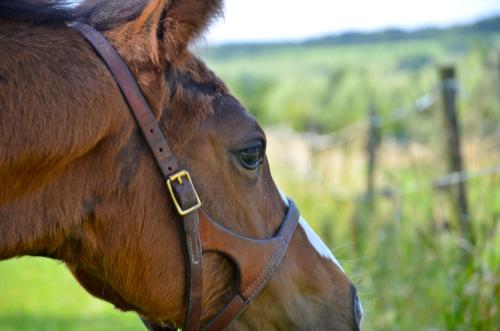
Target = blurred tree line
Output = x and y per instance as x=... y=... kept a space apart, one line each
x=326 y=84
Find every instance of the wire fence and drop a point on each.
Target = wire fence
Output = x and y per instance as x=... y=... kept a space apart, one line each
x=440 y=102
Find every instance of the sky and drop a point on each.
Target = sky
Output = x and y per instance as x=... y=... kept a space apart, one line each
x=273 y=20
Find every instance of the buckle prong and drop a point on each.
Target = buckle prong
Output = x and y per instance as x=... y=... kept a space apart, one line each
x=178 y=177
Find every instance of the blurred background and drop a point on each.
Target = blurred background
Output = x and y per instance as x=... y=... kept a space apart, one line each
x=383 y=120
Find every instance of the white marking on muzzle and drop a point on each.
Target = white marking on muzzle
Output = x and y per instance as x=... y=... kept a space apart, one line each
x=313 y=238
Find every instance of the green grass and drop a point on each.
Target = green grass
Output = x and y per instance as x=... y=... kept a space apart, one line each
x=410 y=270
x=40 y=294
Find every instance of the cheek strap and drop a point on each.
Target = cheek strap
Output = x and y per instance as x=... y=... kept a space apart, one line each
x=256 y=260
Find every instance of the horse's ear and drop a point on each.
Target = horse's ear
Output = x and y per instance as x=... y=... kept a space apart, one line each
x=173 y=24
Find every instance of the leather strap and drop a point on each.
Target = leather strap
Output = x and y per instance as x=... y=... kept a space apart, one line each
x=166 y=161
x=131 y=92
x=187 y=197
x=255 y=259
x=228 y=314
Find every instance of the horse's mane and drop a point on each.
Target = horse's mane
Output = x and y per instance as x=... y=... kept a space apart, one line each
x=40 y=12
x=102 y=14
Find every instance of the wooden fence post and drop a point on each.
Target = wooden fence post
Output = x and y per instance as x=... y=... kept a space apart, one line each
x=374 y=137
x=498 y=77
x=449 y=91
x=365 y=202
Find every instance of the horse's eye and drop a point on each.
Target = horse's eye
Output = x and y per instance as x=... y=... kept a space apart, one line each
x=252 y=157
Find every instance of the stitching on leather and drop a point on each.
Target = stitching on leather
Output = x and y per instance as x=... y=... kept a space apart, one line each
x=196 y=246
x=258 y=277
x=275 y=265
x=283 y=242
x=191 y=246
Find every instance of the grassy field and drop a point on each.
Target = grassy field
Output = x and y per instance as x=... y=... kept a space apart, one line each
x=325 y=88
x=40 y=294
x=403 y=248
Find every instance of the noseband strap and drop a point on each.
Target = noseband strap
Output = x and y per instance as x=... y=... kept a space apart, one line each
x=255 y=259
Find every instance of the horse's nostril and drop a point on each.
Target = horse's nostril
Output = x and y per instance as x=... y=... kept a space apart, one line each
x=357 y=307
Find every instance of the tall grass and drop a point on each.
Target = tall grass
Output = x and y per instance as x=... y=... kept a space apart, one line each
x=403 y=247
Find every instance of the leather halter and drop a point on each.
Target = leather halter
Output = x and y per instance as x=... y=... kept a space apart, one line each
x=255 y=259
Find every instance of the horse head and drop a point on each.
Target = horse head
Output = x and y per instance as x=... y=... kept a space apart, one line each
x=81 y=185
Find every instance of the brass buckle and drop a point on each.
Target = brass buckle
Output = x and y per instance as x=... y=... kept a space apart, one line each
x=178 y=177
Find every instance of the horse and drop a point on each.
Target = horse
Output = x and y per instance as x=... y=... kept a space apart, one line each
x=79 y=184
